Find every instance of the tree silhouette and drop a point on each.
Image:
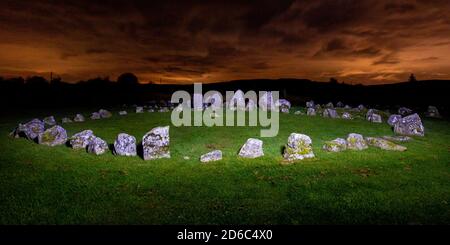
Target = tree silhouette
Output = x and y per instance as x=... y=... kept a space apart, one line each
x=333 y=80
x=412 y=78
x=127 y=80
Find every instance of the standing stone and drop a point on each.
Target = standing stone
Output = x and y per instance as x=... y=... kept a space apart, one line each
x=237 y=102
x=50 y=121
x=151 y=110
x=214 y=100
x=339 y=104
x=97 y=146
x=298 y=113
x=95 y=116
x=404 y=111
x=335 y=145
x=311 y=112
x=356 y=142
x=66 y=120
x=361 y=107
x=347 y=107
x=82 y=139
x=79 y=118
x=125 y=145
x=251 y=105
x=284 y=105
x=253 y=148
x=410 y=125
x=53 y=136
x=104 y=113
x=393 y=119
x=29 y=130
x=156 y=143
x=122 y=113
x=433 y=112
x=310 y=104
x=376 y=118
x=331 y=113
x=198 y=101
x=266 y=101
x=347 y=116
x=211 y=156
x=384 y=144
x=298 y=147
x=163 y=109
x=329 y=105
x=139 y=109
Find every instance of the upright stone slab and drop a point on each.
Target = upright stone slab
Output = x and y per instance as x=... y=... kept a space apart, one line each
x=197 y=101
x=50 y=121
x=310 y=104
x=329 y=105
x=356 y=142
x=139 y=109
x=331 y=113
x=284 y=105
x=82 y=139
x=266 y=101
x=410 y=125
x=53 y=136
x=335 y=145
x=97 y=146
x=253 y=148
x=125 y=145
x=104 y=113
x=393 y=119
x=347 y=116
x=95 y=116
x=298 y=147
x=155 y=143
x=237 y=102
x=79 y=118
x=211 y=156
x=311 y=112
x=214 y=100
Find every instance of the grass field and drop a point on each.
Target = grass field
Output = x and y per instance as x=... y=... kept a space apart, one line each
x=58 y=185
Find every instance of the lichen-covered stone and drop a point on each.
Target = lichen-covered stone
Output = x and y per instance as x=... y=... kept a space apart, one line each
x=97 y=146
x=398 y=138
x=384 y=144
x=125 y=145
x=371 y=116
x=122 y=113
x=95 y=116
x=335 y=145
x=104 y=113
x=410 y=125
x=266 y=101
x=347 y=116
x=211 y=156
x=66 y=120
x=79 y=118
x=393 y=119
x=253 y=148
x=356 y=142
x=29 y=130
x=310 y=104
x=284 y=105
x=82 y=139
x=237 y=102
x=311 y=112
x=53 y=136
x=155 y=143
x=298 y=147
x=331 y=113
x=50 y=121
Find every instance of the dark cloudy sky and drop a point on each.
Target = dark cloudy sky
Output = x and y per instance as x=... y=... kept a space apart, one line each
x=204 y=41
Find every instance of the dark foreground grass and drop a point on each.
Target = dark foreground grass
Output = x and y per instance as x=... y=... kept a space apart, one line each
x=58 y=185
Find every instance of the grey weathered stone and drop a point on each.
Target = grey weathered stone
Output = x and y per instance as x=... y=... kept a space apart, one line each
x=311 y=112
x=50 y=121
x=329 y=105
x=410 y=125
x=97 y=146
x=237 y=102
x=404 y=111
x=53 y=136
x=79 y=118
x=197 y=101
x=211 y=156
x=298 y=113
x=151 y=110
x=266 y=101
x=371 y=116
x=155 y=143
x=432 y=111
x=82 y=139
x=331 y=113
x=95 y=116
x=139 y=109
x=335 y=145
x=66 y=120
x=163 y=109
x=393 y=119
x=214 y=100
x=361 y=107
x=104 y=113
x=346 y=115
x=310 y=104
x=29 y=130
x=339 y=104
x=253 y=148
x=384 y=144
x=298 y=147
x=125 y=145
x=356 y=142
x=398 y=138
x=122 y=113
x=284 y=105
x=318 y=107
x=251 y=105
x=347 y=107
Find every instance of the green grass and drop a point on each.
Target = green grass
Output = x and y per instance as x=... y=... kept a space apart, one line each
x=57 y=185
